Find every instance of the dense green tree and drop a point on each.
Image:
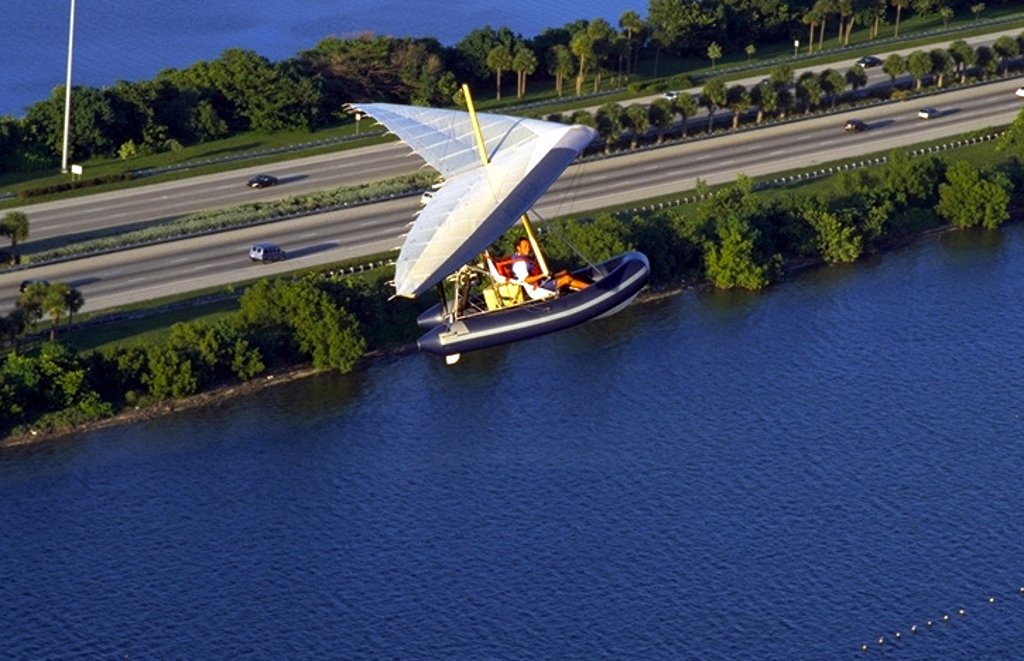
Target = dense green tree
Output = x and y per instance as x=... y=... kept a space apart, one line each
x=838 y=240
x=1012 y=140
x=676 y=23
x=729 y=258
x=970 y=197
x=301 y=317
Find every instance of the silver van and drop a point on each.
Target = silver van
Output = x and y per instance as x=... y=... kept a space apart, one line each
x=266 y=252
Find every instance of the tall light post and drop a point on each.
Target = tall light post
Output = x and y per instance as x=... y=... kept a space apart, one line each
x=67 y=91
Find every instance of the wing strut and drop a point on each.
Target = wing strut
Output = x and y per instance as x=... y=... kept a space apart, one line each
x=541 y=262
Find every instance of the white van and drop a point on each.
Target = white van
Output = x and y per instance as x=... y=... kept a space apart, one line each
x=266 y=252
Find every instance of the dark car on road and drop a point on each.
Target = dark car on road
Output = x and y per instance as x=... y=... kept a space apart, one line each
x=262 y=181
x=869 y=61
x=266 y=252
x=855 y=125
x=25 y=284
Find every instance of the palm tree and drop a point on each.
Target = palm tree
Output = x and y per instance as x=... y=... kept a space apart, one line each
x=832 y=83
x=737 y=98
x=894 y=65
x=638 y=121
x=74 y=302
x=1005 y=47
x=963 y=56
x=54 y=304
x=713 y=97
x=942 y=65
x=686 y=106
x=582 y=47
x=609 y=124
x=856 y=78
x=499 y=59
x=631 y=22
x=525 y=63
x=919 y=65
x=660 y=115
x=560 y=65
x=766 y=97
x=14 y=225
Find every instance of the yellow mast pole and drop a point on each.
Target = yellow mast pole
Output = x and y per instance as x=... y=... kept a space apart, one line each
x=541 y=262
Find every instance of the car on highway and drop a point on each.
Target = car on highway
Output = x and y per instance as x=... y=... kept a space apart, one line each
x=266 y=252
x=869 y=61
x=262 y=181
x=1020 y=92
x=928 y=113
x=671 y=95
x=25 y=284
x=855 y=126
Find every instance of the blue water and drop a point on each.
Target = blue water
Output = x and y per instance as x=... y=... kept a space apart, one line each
x=787 y=475
x=117 y=40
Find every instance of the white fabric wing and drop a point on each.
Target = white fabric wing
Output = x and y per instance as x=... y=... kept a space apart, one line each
x=477 y=203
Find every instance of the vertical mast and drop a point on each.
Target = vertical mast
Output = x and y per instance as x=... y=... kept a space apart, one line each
x=482 y=149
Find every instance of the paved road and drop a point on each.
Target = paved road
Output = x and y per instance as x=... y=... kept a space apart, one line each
x=144 y=273
x=142 y=206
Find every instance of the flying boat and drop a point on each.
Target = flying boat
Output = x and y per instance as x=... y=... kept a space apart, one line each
x=494 y=168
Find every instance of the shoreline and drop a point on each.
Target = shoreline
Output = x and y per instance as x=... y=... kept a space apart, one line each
x=286 y=375
x=225 y=393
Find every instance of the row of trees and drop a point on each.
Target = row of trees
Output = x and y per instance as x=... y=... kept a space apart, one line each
x=243 y=91
x=782 y=93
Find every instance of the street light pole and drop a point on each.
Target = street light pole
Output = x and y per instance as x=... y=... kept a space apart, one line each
x=67 y=91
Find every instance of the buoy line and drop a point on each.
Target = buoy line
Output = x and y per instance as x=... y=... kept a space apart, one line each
x=898 y=635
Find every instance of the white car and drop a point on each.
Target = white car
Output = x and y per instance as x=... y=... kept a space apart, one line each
x=1020 y=92
x=928 y=113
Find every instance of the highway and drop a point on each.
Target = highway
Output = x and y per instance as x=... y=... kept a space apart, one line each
x=143 y=273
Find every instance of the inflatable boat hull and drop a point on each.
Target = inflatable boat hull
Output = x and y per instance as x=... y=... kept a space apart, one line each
x=616 y=282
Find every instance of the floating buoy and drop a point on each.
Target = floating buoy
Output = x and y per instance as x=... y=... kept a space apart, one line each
x=945 y=617
x=929 y=624
x=899 y=635
x=1021 y=589
x=960 y=612
x=864 y=647
x=991 y=600
x=913 y=628
x=881 y=641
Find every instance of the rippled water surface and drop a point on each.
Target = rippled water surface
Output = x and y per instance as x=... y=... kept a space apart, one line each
x=787 y=475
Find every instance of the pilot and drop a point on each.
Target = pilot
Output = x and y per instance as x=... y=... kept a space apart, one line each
x=537 y=285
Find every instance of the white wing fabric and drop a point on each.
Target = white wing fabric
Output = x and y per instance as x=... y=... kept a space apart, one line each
x=477 y=203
